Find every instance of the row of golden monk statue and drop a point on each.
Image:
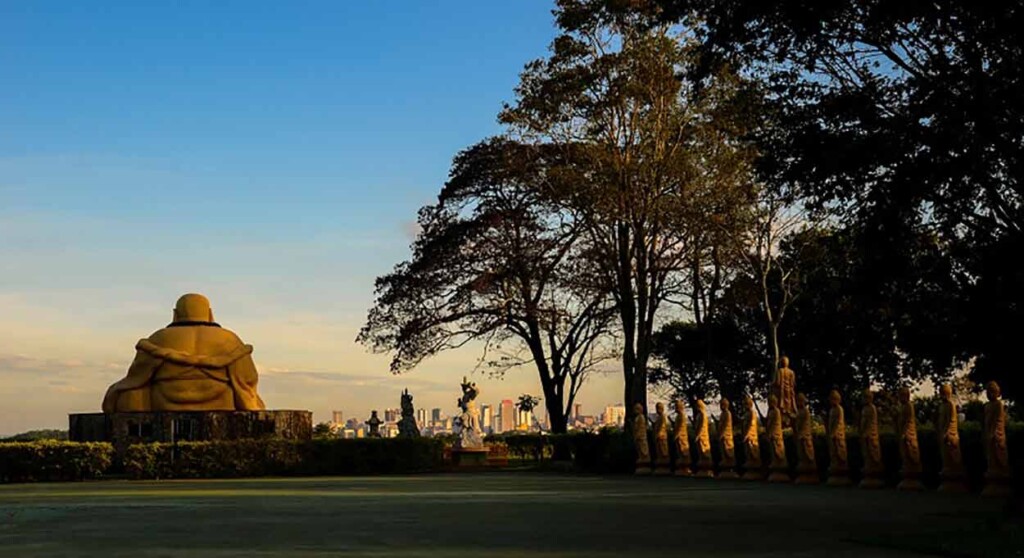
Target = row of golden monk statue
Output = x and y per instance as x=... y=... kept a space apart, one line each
x=997 y=476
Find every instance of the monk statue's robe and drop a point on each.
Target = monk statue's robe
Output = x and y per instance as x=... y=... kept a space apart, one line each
x=193 y=364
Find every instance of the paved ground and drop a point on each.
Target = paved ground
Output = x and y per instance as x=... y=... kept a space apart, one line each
x=492 y=515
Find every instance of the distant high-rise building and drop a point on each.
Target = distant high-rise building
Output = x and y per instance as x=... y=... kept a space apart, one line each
x=487 y=418
x=577 y=411
x=508 y=415
x=337 y=417
x=392 y=415
x=421 y=418
x=435 y=417
x=614 y=415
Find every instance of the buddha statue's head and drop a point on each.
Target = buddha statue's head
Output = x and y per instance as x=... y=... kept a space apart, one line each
x=773 y=401
x=660 y=408
x=869 y=397
x=723 y=404
x=801 y=400
x=193 y=308
x=785 y=361
x=748 y=402
x=834 y=398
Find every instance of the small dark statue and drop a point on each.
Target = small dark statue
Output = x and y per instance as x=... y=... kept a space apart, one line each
x=407 y=427
x=374 y=424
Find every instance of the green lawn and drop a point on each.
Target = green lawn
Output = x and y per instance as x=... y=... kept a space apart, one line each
x=492 y=515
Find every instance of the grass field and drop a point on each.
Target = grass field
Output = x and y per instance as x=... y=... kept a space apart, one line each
x=492 y=515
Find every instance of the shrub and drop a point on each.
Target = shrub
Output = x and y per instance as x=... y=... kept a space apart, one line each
x=49 y=460
x=256 y=458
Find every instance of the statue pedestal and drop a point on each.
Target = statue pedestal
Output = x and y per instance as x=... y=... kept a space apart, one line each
x=682 y=470
x=839 y=477
x=911 y=482
x=705 y=470
x=872 y=480
x=753 y=475
x=780 y=475
x=662 y=467
x=125 y=429
x=952 y=482
x=727 y=474
x=469 y=457
x=997 y=486
x=807 y=475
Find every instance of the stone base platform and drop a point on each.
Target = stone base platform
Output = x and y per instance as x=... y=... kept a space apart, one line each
x=469 y=457
x=125 y=429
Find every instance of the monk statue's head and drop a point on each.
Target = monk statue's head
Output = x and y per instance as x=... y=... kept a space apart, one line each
x=801 y=400
x=660 y=408
x=723 y=404
x=773 y=401
x=946 y=391
x=193 y=308
x=785 y=361
x=680 y=408
x=904 y=395
x=992 y=391
x=834 y=398
x=869 y=397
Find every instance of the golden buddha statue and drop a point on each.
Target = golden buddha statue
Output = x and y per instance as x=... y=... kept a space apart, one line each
x=997 y=475
x=751 y=443
x=726 y=442
x=681 y=437
x=702 y=439
x=838 y=461
x=803 y=431
x=910 y=453
x=662 y=459
x=948 y=430
x=193 y=364
x=640 y=440
x=779 y=463
x=871 y=444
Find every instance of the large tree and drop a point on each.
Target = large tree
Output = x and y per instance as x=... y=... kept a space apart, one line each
x=906 y=118
x=495 y=263
x=652 y=171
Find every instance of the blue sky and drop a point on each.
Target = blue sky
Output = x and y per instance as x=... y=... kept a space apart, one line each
x=270 y=155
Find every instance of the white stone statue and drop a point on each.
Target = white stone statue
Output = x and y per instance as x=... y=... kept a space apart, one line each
x=470 y=433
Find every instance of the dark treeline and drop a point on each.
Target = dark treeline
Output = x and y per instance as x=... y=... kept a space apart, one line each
x=690 y=188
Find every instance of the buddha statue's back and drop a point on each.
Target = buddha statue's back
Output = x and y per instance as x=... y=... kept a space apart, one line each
x=193 y=364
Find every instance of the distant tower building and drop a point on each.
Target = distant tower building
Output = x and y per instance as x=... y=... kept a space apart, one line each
x=614 y=415
x=577 y=411
x=337 y=417
x=508 y=415
x=421 y=418
x=487 y=418
x=435 y=417
x=392 y=415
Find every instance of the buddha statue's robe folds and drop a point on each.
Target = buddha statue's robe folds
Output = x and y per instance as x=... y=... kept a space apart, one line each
x=193 y=364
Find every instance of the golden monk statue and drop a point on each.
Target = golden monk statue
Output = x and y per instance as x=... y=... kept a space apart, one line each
x=640 y=440
x=870 y=444
x=784 y=387
x=838 y=461
x=705 y=467
x=910 y=453
x=947 y=427
x=681 y=438
x=779 y=464
x=726 y=443
x=751 y=443
x=997 y=476
x=803 y=430
x=662 y=459
x=193 y=364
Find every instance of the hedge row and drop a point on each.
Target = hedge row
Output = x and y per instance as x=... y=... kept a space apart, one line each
x=256 y=458
x=611 y=451
x=51 y=460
